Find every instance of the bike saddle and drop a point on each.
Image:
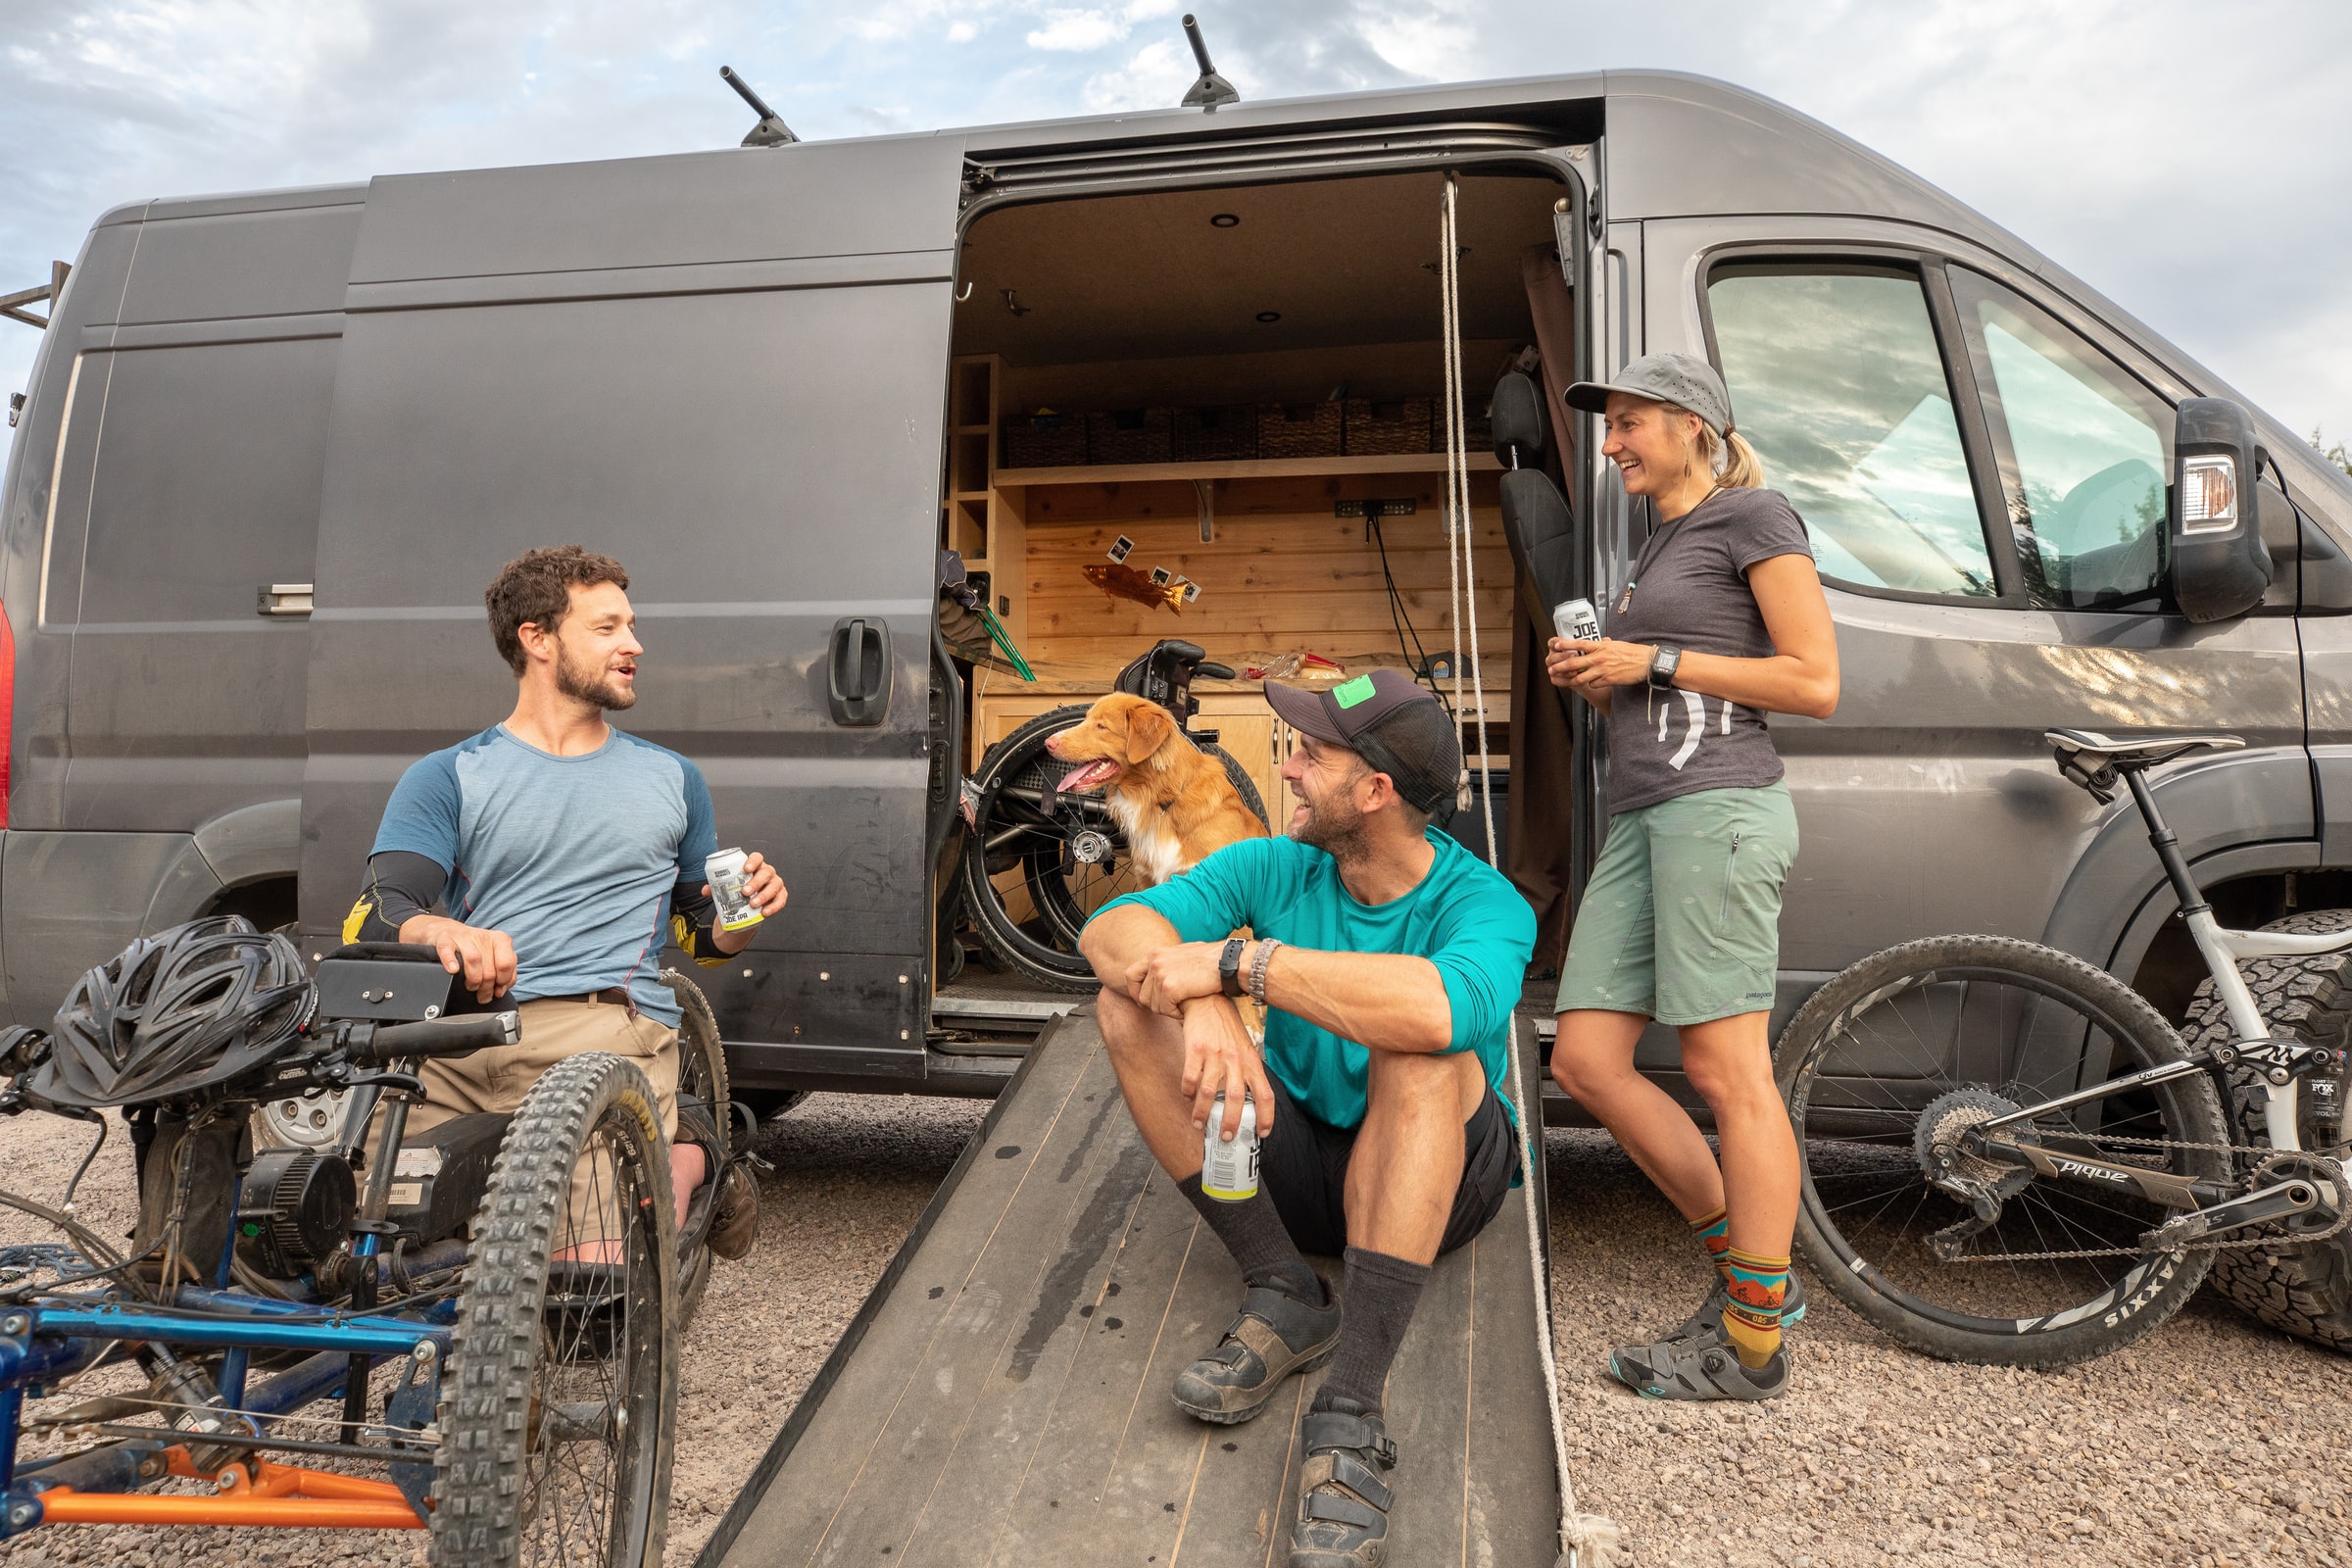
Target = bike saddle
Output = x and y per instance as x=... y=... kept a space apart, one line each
x=2093 y=760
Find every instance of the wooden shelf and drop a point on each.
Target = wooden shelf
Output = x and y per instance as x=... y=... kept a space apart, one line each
x=1241 y=469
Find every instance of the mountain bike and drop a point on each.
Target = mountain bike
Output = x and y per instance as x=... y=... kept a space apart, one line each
x=2011 y=1158
x=1039 y=860
x=480 y=1343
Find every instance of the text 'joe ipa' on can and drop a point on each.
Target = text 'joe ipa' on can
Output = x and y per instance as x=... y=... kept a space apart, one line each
x=1229 y=1169
x=726 y=871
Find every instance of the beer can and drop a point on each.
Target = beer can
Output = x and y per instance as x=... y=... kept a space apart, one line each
x=1229 y=1169
x=1574 y=619
x=726 y=871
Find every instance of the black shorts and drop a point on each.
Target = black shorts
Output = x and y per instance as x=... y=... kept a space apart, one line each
x=1304 y=1165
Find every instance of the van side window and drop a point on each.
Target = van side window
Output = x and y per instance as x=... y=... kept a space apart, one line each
x=1838 y=383
x=2083 y=451
x=208 y=479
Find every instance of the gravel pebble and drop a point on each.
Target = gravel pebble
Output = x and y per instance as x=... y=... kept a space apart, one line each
x=2214 y=1444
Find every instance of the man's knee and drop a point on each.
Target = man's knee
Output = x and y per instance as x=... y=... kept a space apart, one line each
x=1416 y=1081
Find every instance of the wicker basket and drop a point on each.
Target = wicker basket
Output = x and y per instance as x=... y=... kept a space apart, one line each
x=1216 y=434
x=1300 y=430
x=1128 y=435
x=1478 y=425
x=1044 y=441
x=1375 y=429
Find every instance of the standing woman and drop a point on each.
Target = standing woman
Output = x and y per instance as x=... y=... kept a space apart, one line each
x=1722 y=622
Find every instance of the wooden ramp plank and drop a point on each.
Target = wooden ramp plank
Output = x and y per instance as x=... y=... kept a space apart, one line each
x=1008 y=1401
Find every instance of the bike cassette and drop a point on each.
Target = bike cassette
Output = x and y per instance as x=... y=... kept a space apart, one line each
x=1944 y=1157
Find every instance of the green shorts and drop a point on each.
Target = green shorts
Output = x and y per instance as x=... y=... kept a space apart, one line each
x=1680 y=921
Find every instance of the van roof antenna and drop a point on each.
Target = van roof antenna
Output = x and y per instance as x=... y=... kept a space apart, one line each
x=1211 y=89
x=770 y=131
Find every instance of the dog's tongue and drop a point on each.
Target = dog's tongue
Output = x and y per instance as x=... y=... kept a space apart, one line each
x=1087 y=776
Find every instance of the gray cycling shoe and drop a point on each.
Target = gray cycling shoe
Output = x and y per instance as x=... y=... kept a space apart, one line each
x=1275 y=1336
x=1697 y=1369
x=1343 y=1502
x=1707 y=1321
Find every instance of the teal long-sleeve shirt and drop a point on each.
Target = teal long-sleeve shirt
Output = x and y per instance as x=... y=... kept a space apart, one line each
x=1465 y=918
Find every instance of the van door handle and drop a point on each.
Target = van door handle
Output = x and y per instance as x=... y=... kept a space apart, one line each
x=857 y=677
x=283 y=599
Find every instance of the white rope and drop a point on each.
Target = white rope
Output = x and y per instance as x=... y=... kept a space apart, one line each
x=1462 y=564
x=1586 y=1541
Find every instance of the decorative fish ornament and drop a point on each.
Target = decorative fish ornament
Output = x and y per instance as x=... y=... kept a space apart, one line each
x=1125 y=582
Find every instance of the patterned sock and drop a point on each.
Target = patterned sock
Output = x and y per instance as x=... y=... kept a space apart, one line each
x=1714 y=1233
x=1253 y=1231
x=1753 y=1318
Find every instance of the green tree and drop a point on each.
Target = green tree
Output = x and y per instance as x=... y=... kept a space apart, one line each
x=2339 y=454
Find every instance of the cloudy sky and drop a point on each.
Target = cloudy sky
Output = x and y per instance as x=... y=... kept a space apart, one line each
x=2191 y=159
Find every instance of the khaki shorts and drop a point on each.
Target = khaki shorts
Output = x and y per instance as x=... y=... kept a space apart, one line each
x=553 y=1031
x=1680 y=921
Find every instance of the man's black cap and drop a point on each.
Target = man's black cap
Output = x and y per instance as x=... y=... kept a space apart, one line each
x=1389 y=721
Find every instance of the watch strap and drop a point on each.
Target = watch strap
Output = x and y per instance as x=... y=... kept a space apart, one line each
x=1229 y=965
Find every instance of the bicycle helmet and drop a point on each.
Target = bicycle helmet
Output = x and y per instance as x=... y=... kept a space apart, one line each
x=179 y=1012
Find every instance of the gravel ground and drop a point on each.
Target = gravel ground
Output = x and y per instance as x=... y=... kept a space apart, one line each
x=2216 y=1442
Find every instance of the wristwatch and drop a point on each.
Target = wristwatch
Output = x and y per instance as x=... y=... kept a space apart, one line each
x=1662 y=664
x=1229 y=965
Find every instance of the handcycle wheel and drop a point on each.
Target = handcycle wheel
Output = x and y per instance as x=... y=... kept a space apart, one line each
x=558 y=1414
x=703 y=1081
x=1038 y=863
x=1890 y=1060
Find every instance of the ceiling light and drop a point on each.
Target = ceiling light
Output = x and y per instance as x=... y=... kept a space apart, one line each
x=1225 y=220
x=1269 y=316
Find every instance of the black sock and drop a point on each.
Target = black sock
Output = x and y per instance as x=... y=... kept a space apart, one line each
x=1380 y=1294
x=1253 y=1231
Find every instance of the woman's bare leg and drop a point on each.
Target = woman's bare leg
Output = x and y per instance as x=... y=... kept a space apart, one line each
x=1593 y=1061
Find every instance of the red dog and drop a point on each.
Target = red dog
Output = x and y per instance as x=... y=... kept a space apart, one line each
x=1175 y=804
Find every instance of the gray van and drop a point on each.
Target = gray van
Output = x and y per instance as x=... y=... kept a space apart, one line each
x=274 y=443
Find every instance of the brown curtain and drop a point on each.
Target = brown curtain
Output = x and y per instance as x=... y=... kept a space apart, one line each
x=1537 y=843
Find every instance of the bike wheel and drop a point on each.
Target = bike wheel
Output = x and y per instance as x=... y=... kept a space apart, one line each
x=1038 y=862
x=702 y=1082
x=1891 y=1060
x=558 y=1414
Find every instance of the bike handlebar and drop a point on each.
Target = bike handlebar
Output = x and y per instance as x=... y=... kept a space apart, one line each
x=435 y=1036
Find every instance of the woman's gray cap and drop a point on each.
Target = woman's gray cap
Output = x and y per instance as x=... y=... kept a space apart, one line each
x=1683 y=379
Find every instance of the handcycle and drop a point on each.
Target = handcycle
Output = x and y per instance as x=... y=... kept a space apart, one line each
x=514 y=1388
x=1039 y=860
x=2011 y=1158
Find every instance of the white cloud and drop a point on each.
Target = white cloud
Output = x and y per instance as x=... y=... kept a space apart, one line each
x=1155 y=75
x=1077 y=30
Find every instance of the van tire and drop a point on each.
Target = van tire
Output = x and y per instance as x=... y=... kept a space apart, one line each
x=2307 y=1291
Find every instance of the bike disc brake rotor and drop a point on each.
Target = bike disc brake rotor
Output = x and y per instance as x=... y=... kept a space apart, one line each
x=1945 y=1161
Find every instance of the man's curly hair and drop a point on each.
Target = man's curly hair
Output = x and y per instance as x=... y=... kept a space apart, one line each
x=536 y=587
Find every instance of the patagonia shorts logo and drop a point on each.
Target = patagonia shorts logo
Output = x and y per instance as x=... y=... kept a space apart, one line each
x=1348 y=693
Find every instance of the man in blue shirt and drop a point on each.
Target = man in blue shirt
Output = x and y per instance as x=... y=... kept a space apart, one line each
x=1388 y=959
x=562 y=851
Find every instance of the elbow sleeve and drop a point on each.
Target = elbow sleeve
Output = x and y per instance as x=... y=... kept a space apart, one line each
x=400 y=887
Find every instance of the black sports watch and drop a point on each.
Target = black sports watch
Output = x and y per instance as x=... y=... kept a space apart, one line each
x=1229 y=965
x=1662 y=664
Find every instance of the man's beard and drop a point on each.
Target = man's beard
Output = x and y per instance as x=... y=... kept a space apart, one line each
x=1333 y=827
x=598 y=686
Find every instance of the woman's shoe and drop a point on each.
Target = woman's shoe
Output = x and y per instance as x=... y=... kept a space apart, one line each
x=1697 y=1369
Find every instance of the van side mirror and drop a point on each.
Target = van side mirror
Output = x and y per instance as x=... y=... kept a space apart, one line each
x=2220 y=566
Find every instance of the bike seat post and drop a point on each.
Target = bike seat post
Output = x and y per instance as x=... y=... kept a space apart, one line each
x=2167 y=843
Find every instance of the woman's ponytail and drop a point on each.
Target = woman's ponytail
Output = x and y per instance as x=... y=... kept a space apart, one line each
x=1728 y=457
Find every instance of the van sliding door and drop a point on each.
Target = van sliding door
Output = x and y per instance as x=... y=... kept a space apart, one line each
x=723 y=369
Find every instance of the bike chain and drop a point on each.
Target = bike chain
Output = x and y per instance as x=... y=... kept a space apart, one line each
x=2334 y=1172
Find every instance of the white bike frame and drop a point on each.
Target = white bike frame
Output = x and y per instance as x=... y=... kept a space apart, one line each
x=2222 y=948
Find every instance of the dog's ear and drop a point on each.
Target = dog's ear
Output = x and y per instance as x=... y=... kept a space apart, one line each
x=1148 y=730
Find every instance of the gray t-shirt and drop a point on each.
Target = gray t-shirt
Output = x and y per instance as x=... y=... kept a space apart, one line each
x=1692 y=592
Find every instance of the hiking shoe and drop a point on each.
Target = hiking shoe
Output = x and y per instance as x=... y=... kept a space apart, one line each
x=1343 y=1502
x=1707 y=1321
x=1697 y=1369
x=734 y=1212
x=1275 y=1335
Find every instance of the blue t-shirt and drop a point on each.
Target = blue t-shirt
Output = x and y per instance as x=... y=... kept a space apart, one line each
x=1465 y=918
x=573 y=856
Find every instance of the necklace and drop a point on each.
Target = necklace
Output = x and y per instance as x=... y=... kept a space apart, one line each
x=1655 y=546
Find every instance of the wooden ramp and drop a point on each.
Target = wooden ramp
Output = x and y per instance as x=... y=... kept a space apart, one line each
x=1002 y=1399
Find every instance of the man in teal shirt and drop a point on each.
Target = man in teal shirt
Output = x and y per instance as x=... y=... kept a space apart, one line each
x=1388 y=960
